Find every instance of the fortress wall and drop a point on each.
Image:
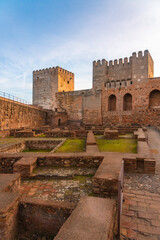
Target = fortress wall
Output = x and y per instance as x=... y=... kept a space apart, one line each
x=15 y=115
x=141 y=112
x=83 y=106
x=72 y=103
x=92 y=113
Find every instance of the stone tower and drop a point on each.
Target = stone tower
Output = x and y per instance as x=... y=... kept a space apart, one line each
x=123 y=72
x=49 y=81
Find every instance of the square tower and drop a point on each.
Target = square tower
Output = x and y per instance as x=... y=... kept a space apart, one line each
x=47 y=82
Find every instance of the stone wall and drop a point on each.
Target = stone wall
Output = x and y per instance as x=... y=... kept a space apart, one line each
x=18 y=115
x=70 y=161
x=42 y=218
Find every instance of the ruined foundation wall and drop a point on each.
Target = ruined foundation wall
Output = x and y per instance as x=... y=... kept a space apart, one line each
x=18 y=115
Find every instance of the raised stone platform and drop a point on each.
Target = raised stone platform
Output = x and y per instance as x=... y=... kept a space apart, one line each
x=111 y=134
x=92 y=219
x=140 y=135
x=25 y=166
x=9 y=182
x=106 y=178
x=8 y=215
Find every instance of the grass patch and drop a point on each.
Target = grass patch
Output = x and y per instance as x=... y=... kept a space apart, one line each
x=37 y=150
x=118 y=145
x=41 y=135
x=72 y=145
x=82 y=179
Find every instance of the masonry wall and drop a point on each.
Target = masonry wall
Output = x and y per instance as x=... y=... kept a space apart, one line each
x=83 y=107
x=14 y=115
x=141 y=112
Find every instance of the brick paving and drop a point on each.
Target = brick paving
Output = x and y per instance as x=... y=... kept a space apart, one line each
x=141 y=207
x=59 y=190
x=140 y=215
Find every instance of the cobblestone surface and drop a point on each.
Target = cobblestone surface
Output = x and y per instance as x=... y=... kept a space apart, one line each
x=142 y=182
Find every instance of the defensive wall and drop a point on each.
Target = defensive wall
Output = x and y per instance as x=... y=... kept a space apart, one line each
x=81 y=106
x=14 y=115
x=123 y=93
x=121 y=105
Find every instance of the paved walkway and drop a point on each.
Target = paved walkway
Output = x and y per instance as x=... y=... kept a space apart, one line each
x=141 y=207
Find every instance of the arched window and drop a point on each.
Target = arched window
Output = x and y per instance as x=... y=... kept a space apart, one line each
x=112 y=103
x=154 y=99
x=127 y=102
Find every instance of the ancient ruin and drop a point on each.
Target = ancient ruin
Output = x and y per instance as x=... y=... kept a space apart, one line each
x=83 y=164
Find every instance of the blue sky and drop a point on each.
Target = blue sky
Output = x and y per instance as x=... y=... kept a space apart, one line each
x=36 y=34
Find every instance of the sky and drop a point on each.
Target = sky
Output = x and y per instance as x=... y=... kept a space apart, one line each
x=38 y=34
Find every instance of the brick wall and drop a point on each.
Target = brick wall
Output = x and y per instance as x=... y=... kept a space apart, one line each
x=17 y=115
x=141 y=113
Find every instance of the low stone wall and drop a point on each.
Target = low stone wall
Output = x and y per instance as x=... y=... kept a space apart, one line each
x=93 y=219
x=9 y=199
x=62 y=161
x=42 y=144
x=139 y=165
x=7 y=162
x=13 y=148
x=4 y=133
x=8 y=215
x=60 y=134
x=42 y=218
x=111 y=134
x=24 y=133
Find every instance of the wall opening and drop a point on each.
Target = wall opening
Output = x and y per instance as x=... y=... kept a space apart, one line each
x=154 y=99
x=59 y=122
x=112 y=103
x=127 y=102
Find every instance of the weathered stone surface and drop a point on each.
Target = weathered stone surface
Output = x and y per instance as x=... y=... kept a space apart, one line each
x=92 y=219
x=16 y=115
x=111 y=134
x=90 y=138
x=25 y=166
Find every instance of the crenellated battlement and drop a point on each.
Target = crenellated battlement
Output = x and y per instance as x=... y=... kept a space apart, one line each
x=62 y=70
x=53 y=70
x=121 y=61
x=138 y=68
